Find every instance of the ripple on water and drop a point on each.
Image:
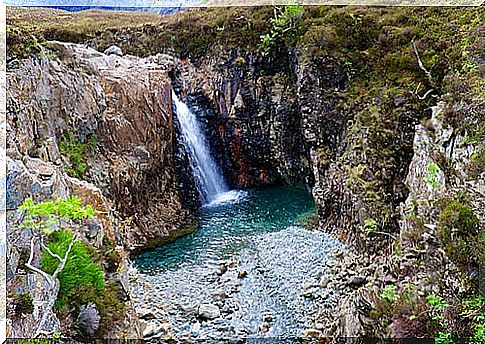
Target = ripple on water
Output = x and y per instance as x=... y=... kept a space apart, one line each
x=258 y=231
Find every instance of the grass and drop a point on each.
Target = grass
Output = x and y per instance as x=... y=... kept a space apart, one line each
x=460 y=234
x=79 y=270
x=27 y=28
x=76 y=152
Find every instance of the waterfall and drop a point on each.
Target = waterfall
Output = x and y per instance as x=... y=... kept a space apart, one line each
x=209 y=180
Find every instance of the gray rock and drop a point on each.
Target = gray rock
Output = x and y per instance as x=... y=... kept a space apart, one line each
x=145 y=313
x=312 y=333
x=114 y=50
x=208 y=311
x=88 y=319
x=153 y=329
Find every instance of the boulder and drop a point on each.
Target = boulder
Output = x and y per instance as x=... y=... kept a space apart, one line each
x=207 y=311
x=114 y=50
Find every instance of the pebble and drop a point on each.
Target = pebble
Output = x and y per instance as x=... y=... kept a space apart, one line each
x=264 y=327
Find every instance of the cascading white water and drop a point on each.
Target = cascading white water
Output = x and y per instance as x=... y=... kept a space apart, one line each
x=210 y=181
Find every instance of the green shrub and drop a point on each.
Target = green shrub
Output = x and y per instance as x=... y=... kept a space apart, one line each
x=284 y=26
x=476 y=166
x=438 y=305
x=370 y=226
x=432 y=175
x=36 y=341
x=389 y=293
x=406 y=309
x=79 y=270
x=444 y=338
x=76 y=152
x=460 y=234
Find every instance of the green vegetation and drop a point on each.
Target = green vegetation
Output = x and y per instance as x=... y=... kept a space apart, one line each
x=82 y=279
x=308 y=220
x=76 y=153
x=28 y=29
x=36 y=341
x=389 y=293
x=432 y=175
x=370 y=226
x=444 y=338
x=405 y=307
x=108 y=302
x=43 y=215
x=79 y=270
x=459 y=231
x=438 y=304
x=284 y=27
x=476 y=166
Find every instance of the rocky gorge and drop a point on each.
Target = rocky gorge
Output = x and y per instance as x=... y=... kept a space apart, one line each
x=371 y=109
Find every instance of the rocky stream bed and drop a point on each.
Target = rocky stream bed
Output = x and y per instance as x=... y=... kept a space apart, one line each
x=249 y=272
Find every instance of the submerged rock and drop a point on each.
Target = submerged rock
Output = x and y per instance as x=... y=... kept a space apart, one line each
x=242 y=274
x=145 y=313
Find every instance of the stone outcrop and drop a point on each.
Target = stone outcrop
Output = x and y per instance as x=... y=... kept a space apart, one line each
x=77 y=94
x=125 y=103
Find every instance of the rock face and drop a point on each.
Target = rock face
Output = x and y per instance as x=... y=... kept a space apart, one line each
x=129 y=113
x=75 y=95
x=253 y=121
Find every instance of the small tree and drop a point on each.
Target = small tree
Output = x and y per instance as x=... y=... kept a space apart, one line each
x=42 y=219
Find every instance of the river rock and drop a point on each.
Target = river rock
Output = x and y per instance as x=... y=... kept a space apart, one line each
x=264 y=327
x=195 y=329
x=153 y=329
x=222 y=270
x=242 y=274
x=187 y=308
x=357 y=281
x=268 y=317
x=114 y=50
x=207 y=311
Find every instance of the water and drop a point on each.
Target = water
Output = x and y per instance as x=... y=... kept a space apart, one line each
x=209 y=180
x=256 y=231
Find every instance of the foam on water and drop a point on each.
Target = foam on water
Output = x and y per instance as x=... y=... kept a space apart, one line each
x=232 y=196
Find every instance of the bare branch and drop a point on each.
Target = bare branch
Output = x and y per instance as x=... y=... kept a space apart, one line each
x=50 y=252
x=425 y=95
x=384 y=233
x=64 y=260
x=33 y=268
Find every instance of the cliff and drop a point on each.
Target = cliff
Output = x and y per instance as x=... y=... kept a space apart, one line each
x=379 y=111
x=99 y=127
